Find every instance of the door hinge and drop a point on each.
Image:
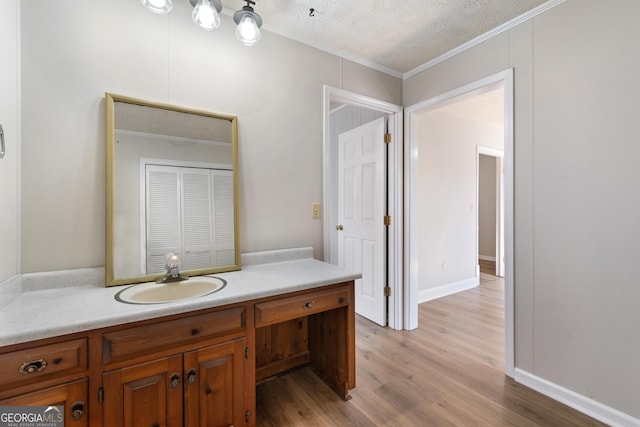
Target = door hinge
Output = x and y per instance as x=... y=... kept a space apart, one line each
x=246 y=353
x=387 y=220
x=247 y=416
x=387 y=291
x=101 y=395
x=387 y=138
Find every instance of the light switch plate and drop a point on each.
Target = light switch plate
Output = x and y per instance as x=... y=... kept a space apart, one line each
x=315 y=210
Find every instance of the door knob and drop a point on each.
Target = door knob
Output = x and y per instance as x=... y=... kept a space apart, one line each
x=339 y=227
x=77 y=411
x=191 y=376
x=174 y=380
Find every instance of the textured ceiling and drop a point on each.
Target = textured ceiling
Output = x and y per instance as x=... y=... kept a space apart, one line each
x=397 y=34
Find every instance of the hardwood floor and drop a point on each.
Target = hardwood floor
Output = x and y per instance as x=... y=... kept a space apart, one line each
x=448 y=372
x=486 y=266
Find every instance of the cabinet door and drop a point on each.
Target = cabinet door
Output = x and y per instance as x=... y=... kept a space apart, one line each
x=215 y=385
x=149 y=394
x=73 y=396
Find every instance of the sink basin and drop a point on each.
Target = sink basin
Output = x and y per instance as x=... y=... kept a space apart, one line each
x=154 y=293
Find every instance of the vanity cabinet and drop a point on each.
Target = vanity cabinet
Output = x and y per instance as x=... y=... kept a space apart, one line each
x=193 y=369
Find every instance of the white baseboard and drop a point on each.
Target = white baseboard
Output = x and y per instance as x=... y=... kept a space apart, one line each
x=587 y=406
x=448 y=289
x=487 y=258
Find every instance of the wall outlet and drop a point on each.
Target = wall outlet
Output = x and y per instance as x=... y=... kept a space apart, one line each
x=315 y=210
x=444 y=266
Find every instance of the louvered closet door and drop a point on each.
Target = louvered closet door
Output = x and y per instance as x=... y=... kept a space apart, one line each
x=163 y=226
x=224 y=249
x=197 y=218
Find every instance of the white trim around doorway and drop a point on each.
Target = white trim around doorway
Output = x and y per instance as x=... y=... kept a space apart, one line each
x=411 y=212
x=395 y=192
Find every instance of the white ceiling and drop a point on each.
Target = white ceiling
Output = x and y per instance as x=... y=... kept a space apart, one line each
x=397 y=35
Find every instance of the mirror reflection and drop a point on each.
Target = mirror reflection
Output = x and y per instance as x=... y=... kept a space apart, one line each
x=171 y=188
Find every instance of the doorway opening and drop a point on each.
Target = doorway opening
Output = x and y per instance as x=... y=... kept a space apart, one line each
x=490 y=211
x=343 y=112
x=422 y=168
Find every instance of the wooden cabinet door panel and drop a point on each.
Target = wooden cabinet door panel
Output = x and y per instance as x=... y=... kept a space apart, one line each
x=73 y=396
x=215 y=382
x=144 y=395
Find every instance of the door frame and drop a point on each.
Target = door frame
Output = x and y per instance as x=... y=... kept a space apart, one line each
x=411 y=213
x=395 y=171
x=499 y=243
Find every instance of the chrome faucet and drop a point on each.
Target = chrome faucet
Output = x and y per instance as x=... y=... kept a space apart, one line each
x=172 y=267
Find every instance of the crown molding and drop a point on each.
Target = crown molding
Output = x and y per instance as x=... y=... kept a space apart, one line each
x=399 y=74
x=337 y=52
x=484 y=37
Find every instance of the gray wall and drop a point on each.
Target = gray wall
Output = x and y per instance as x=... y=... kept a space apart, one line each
x=577 y=202
x=73 y=52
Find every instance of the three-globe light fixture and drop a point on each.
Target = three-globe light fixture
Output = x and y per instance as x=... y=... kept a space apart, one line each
x=206 y=14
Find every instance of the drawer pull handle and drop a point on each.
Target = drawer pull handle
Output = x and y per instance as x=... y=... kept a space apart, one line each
x=77 y=411
x=309 y=304
x=174 y=380
x=33 y=366
x=191 y=376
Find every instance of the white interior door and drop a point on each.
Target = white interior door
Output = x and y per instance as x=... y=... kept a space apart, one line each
x=361 y=211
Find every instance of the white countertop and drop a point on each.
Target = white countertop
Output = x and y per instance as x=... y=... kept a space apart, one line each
x=47 y=313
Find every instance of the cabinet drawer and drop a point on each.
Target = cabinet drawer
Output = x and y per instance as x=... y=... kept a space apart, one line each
x=288 y=308
x=121 y=345
x=41 y=363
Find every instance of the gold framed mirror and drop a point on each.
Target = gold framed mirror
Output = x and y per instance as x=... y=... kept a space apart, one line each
x=171 y=187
